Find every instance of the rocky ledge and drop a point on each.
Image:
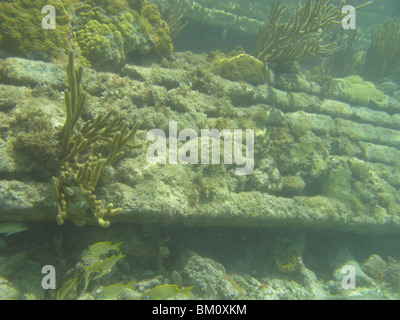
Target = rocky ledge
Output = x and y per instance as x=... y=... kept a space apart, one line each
x=325 y=155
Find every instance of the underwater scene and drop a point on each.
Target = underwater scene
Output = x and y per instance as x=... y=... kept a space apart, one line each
x=199 y=150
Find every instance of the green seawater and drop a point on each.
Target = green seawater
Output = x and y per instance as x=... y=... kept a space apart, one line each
x=200 y=150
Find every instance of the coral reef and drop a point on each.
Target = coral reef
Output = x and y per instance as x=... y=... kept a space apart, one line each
x=101 y=43
x=104 y=33
x=312 y=145
x=107 y=36
x=323 y=190
x=151 y=24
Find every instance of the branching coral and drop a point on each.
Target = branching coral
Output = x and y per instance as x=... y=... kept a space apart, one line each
x=303 y=35
x=174 y=19
x=85 y=175
x=345 y=62
x=383 y=55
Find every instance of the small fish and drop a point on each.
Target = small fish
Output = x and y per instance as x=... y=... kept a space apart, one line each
x=176 y=279
x=99 y=248
x=114 y=290
x=165 y=292
x=224 y=34
x=83 y=284
x=104 y=266
x=10 y=228
x=66 y=287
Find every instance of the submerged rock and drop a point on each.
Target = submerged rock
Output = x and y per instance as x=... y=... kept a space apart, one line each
x=310 y=144
x=12 y=264
x=357 y=92
x=205 y=275
x=241 y=68
x=375 y=267
x=25 y=72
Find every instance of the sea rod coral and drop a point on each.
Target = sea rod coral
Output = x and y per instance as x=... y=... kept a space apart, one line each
x=77 y=171
x=303 y=35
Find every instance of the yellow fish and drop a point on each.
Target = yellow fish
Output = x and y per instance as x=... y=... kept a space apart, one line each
x=10 y=228
x=224 y=34
x=66 y=287
x=113 y=290
x=84 y=282
x=99 y=248
x=104 y=266
x=165 y=292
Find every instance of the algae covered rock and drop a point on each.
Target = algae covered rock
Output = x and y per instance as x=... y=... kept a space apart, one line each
x=344 y=259
x=288 y=253
x=296 y=82
x=107 y=37
x=393 y=274
x=357 y=92
x=155 y=28
x=318 y=162
x=386 y=272
x=104 y=32
x=27 y=72
x=337 y=182
x=237 y=16
x=292 y=185
x=101 y=43
x=241 y=68
x=336 y=108
x=22 y=34
x=375 y=267
x=205 y=275
x=353 y=182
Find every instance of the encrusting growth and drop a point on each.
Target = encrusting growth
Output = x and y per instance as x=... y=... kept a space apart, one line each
x=74 y=176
